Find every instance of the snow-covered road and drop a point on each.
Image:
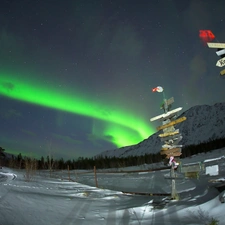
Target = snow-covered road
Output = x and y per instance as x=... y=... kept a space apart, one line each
x=46 y=200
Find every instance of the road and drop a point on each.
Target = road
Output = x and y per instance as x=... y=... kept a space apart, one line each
x=64 y=203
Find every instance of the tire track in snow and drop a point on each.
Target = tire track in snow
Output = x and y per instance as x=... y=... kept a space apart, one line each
x=111 y=218
x=116 y=217
x=4 y=177
x=125 y=220
x=157 y=210
x=169 y=215
x=172 y=216
x=75 y=214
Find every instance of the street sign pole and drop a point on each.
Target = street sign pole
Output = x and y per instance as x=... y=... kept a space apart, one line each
x=170 y=147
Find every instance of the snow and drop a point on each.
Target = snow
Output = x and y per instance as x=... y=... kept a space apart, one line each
x=55 y=200
x=204 y=123
x=209 y=160
x=212 y=170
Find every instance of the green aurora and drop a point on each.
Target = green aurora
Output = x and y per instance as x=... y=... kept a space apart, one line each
x=122 y=128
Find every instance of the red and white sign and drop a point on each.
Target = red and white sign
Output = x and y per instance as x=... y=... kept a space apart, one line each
x=158 y=89
x=206 y=35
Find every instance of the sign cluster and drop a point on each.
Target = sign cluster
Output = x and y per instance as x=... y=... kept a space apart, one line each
x=221 y=52
x=207 y=36
x=170 y=136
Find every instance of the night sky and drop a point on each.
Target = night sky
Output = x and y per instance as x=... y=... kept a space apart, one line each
x=76 y=76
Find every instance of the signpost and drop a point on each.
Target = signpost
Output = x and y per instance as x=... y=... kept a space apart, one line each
x=170 y=135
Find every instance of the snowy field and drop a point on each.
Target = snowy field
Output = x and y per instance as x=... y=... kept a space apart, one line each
x=54 y=200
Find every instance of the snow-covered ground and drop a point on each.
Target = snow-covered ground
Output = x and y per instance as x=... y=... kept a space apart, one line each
x=55 y=200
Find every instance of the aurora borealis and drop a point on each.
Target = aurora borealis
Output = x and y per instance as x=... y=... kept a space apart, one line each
x=34 y=93
x=76 y=76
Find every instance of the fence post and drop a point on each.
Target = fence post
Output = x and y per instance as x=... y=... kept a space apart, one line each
x=68 y=168
x=96 y=180
x=76 y=175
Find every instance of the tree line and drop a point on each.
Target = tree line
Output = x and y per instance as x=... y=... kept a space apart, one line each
x=203 y=147
x=105 y=162
x=20 y=162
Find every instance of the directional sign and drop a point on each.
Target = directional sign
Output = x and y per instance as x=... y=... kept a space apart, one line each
x=169 y=129
x=175 y=154
x=221 y=62
x=170 y=101
x=170 y=137
x=166 y=115
x=167 y=147
x=221 y=52
x=170 y=151
x=222 y=73
x=167 y=103
x=169 y=133
x=174 y=141
x=216 y=45
x=172 y=123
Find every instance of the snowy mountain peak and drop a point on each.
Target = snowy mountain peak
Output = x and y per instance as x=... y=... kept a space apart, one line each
x=204 y=123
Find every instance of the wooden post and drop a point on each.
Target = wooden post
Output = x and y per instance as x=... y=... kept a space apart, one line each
x=76 y=175
x=173 y=191
x=96 y=180
x=68 y=168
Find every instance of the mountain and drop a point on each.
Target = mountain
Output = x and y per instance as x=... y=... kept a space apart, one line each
x=204 y=123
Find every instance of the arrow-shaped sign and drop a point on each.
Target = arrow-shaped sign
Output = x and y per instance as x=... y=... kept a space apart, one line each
x=174 y=137
x=222 y=73
x=216 y=45
x=167 y=115
x=221 y=52
x=169 y=133
x=170 y=151
x=167 y=147
x=179 y=120
x=221 y=62
x=176 y=154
